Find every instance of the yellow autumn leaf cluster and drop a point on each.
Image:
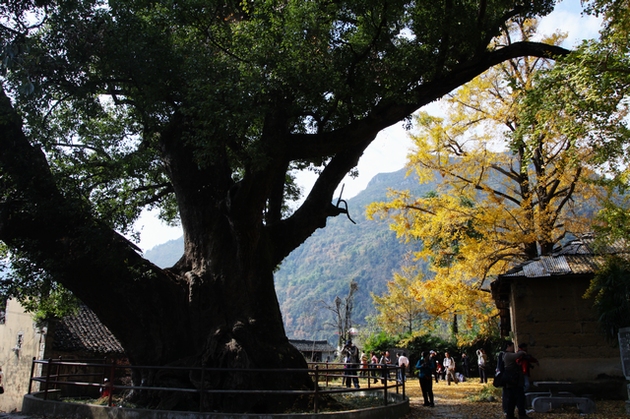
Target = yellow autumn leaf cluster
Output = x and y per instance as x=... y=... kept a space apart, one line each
x=398 y=309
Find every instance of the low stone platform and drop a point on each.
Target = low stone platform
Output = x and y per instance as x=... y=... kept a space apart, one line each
x=543 y=404
x=34 y=404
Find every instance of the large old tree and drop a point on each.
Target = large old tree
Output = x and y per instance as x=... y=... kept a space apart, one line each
x=205 y=109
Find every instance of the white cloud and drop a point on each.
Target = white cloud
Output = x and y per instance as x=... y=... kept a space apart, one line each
x=567 y=17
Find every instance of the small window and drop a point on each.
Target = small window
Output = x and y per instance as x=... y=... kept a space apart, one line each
x=3 y=311
x=20 y=340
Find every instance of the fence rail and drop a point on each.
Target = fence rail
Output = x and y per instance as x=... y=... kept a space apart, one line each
x=58 y=375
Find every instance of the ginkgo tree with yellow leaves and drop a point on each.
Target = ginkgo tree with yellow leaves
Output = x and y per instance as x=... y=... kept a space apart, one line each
x=509 y=189
x=398 y=310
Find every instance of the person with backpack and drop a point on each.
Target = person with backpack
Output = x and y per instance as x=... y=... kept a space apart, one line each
x=513 y=388
x=449 y=366
x=482 y=361
x=425 y=368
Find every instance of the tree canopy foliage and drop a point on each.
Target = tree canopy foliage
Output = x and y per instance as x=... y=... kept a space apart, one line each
x=205 y=109
x=610 y=290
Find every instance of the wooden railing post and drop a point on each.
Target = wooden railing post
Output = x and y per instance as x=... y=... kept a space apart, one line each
x=56 y=376
x=47 y=378
x=30 y=381
x=112 y=374
x=385 y=380
x=201 y=390
x=316 y=395
x=404 y=379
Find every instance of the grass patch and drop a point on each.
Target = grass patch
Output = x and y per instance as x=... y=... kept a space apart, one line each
x=487 y=393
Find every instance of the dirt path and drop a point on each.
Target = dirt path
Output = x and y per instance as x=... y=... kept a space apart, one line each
x=451 y=402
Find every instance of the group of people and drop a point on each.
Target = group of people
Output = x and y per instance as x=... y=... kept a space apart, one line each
x=512 y=363
x=447 y=368
x=372 y=366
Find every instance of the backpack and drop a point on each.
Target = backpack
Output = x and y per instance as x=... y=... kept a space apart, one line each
x=499 y=373
x=503 y=378
x=500 y=364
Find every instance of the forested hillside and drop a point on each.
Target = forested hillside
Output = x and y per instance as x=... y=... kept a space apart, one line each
x=322 y=268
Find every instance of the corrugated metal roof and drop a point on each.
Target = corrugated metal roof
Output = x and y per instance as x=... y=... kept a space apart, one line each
x=544 y=266
x=575 y=258
x=585 y=264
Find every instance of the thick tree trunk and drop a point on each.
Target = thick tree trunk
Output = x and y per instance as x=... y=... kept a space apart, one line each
x=221 y=311
x=217 y=308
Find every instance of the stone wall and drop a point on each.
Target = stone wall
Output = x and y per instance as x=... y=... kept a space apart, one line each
x=561 y=330
x=20 y=341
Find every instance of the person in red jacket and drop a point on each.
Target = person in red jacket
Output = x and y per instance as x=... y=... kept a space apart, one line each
x=526 y=363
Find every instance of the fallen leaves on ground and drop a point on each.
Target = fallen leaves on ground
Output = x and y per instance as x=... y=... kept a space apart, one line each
x=453 y=402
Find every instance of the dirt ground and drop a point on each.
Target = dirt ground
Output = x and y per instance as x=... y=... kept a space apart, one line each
x=453 y=402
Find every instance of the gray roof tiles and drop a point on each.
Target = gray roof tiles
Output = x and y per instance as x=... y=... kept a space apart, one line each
x=85 y=332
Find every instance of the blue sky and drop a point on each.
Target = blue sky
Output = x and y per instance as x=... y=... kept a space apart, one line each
x=389 y=151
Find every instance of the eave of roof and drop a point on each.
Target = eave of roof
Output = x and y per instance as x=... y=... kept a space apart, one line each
x=576 y=258
x=83 y=331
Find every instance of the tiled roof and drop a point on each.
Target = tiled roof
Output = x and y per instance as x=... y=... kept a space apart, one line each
x=309 y=345
x=85 y=332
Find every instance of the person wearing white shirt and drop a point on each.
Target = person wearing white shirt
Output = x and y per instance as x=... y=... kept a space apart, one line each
x=449 y=366
x=403 y=363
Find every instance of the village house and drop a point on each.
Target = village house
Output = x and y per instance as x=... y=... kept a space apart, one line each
x=76 y=337
x=314 y=350
x=541 y=303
